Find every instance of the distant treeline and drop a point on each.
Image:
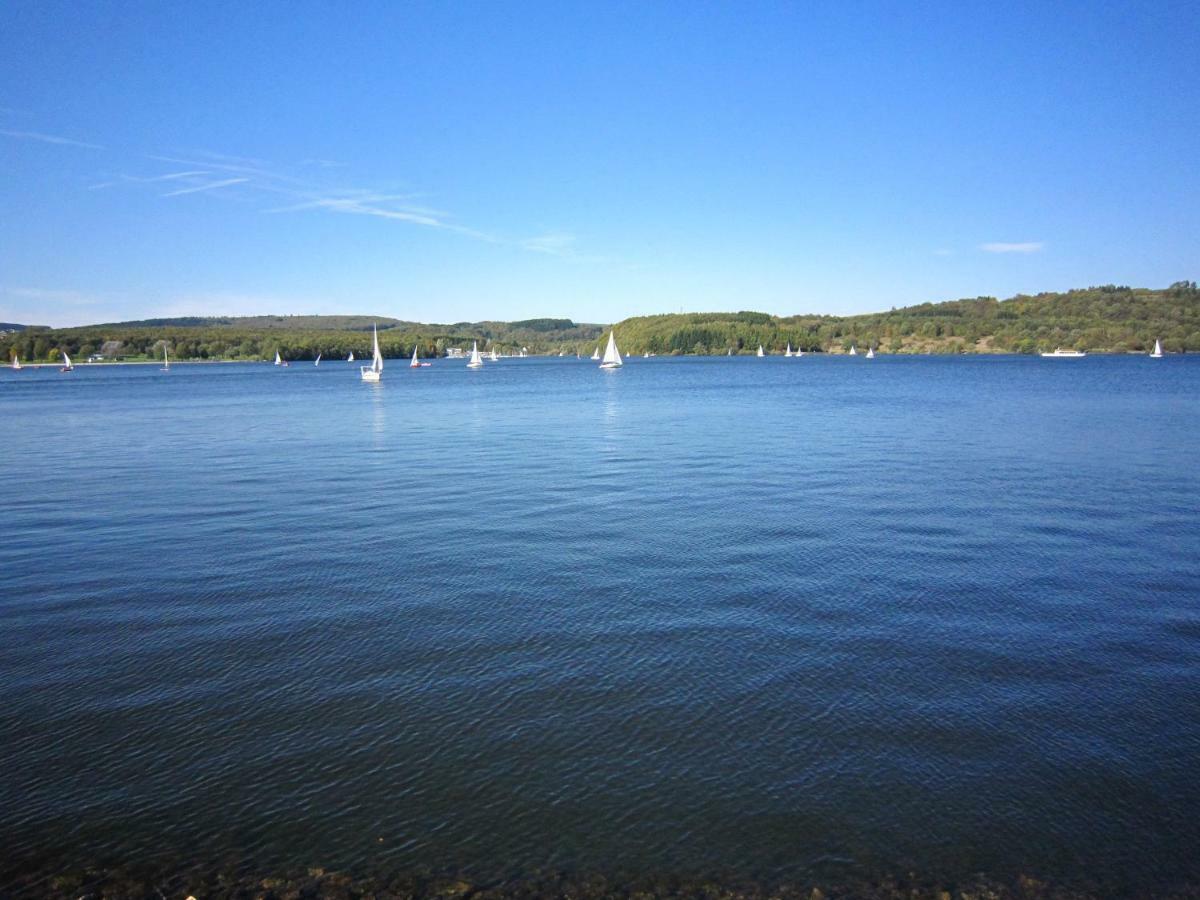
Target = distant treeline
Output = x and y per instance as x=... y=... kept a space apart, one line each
x=1109 y=318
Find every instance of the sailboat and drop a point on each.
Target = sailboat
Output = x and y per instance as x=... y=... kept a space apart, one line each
x=729 y=351
x=317 y=361
x=760 y=351
x=612 y=356
x=853 y=350
x=416 y=363
x=166 y=366
x=279 y=360
x=16 y=363
x=495 y=358
x=788 y=351
x=350 y=358
x=798 y=352
x=476 y=361
x=596 y=354
x=373 y=372
x=66 y=366
x=1157 y=354
x=870 y=353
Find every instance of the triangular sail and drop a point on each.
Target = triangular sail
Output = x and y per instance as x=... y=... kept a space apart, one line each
x=317 y=361
x=278 y=359
x=612 y=356
x=1157 y=348
x=166 y=362
x=415 y=363
x=760 y=351
x=16 y=364
x=596 y=353
x=350 y=358
x=67 y=360
x=788 y=351
x=476 y=360
x=377 y=361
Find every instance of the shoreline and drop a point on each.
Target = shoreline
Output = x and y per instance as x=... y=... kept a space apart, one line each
x=190 y=881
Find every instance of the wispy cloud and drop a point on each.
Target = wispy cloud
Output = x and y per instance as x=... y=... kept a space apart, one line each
x=48 y=139
x=212 y=185
x=556 y=243
x=1024 y=247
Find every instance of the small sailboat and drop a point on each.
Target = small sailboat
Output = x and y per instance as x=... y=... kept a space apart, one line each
x=166 y=366
x=66 y=366
x=16 y=363
x=476 y=361
x=798 y=352
x=1157 y=354
x=853 y=350
x=279 y=360
x=729 y=351
x=495 y=358
x=416 y=363
x=760 y=352
x=612 y=356
x=373 y=372
x=596 y=354
x=788 y=351
x=350 y=358
x=317 y=361
x=870 y=353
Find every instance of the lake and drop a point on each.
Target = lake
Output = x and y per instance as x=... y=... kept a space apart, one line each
x=780 y=618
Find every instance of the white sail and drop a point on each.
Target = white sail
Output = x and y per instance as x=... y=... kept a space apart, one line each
x=373 y=372
x=67 y=361
x=495 y=358
x=596 y=353
x=612 y=356
x=317 y=361
x=788 y=351
x=1157 y=354
x=870 y=353
x=798 y=352
x=729 y=352
x=166 y=362
x=415 y=364
x=350 y=358
x=16 y=361
x=760 y=351
x=853 y=350
x=278 y=359
x=476 y=361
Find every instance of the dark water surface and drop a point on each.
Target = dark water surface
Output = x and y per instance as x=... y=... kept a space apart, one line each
x=775 y=617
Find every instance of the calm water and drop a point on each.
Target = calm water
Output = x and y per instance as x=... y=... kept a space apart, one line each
x=777 y=617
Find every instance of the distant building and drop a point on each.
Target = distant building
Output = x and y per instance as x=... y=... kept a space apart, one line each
x=455 y=353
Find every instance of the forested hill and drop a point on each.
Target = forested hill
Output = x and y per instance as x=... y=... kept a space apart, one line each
x=1109 y=318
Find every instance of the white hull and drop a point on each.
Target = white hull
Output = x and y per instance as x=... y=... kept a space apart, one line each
x=1064 y=354
x=369 y=374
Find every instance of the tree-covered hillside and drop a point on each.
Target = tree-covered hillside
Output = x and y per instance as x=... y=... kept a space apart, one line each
x=1109 y=318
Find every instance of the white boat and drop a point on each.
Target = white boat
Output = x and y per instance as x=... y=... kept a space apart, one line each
x=788 y=351
x=166 y=366
x=350 y=358
x=870 y=353
x=16 y=363
x=495 y=358
x=798 y=352
x=612 y=356
x=317 y=361
x=416 y=363
x=1060 y=353
x=596 y=354
x=1157 y=354
x=66 y=366
x=729 y=352
x=853 y=350
x=373 y=372
x=476 y=361
x=760 y=351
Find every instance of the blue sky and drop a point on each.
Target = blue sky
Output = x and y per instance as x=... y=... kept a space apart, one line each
x=461 y=161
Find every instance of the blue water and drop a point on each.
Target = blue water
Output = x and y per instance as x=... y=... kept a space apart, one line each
x=780 y=618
